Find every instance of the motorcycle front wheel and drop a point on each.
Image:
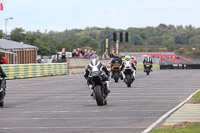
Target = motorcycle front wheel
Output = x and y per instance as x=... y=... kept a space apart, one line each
x=128 y=80
x=99 y=95
x=1 y=103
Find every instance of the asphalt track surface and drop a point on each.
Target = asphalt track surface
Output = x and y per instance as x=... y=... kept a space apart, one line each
x=62 y=104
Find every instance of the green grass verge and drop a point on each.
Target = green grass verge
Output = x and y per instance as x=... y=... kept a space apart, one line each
x=194 y=128
x=196 y=97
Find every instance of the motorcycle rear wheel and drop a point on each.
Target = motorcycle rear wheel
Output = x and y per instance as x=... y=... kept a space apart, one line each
x=116 y=77
x=147 y=71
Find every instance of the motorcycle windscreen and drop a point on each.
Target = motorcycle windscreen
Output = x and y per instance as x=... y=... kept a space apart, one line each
x=95 y=73
x=128 y=71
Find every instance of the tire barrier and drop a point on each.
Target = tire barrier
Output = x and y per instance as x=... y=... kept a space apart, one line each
x=15 y=71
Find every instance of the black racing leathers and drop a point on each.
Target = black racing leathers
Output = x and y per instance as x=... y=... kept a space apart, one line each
x=119 y=60
x=147 y=60
x=101 y=67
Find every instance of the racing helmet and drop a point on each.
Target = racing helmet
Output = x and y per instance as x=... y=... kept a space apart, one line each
x=127 y=57
x=132 y=57
x=94 y=60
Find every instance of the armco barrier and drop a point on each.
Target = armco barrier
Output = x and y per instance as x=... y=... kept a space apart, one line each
x=35 y=70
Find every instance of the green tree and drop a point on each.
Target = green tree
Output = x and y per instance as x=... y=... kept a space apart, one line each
x=154 y=40
x=68 y=44
x=194 y=40
x=46 y=45
x=137 y=40
x=167 y=40
x=31 y=38
x=1 y=33
x=88 y=41
x=18 y=35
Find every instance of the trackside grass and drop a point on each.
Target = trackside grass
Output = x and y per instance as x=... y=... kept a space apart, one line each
x=192 y=128
x=195 y=128
x=196 y=97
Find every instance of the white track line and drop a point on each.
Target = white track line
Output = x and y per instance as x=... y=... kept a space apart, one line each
x=167 y=114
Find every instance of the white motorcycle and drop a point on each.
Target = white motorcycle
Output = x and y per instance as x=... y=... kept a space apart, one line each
x=128 y=73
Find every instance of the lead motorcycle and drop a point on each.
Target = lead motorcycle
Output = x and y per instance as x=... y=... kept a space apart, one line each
x=99 y=88
x=129 y=73
x=116 y=71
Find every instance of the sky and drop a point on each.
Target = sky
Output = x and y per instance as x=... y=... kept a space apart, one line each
x=59 y=15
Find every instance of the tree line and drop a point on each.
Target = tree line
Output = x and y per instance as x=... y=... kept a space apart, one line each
x=161 y=38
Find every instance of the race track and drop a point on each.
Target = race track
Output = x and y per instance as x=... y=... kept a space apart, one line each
x=63 y=103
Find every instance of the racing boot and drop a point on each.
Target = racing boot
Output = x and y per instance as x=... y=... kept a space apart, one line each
x=2 y=94
x=123 y=75
x=108 y=86
x=91 y=90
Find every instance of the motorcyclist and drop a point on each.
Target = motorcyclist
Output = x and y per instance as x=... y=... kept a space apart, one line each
x=101 y=67
x=147 y=60
x=127 y=58
x=3 y=83
x=116 y=60
x=134 y=60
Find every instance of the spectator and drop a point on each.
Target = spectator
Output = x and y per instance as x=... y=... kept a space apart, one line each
x=74 y=53
x=112 y=54
x=95 y=52
x=86 y=54
x=4 y=60
x=85 y=51
x=79 y=54
x=80 y=50
x=89 y=54
x=92 y=53
x=105 y=56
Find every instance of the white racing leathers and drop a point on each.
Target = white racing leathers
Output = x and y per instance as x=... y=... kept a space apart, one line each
x=128 y=65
